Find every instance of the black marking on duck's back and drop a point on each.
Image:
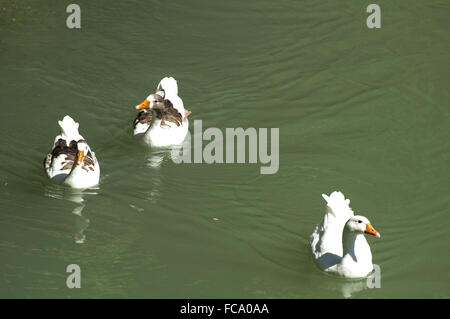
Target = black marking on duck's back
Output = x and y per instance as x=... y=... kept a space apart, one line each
x=164 y=111
x=89 y=159
x=169 y=113
x=89 y=162
x=70 y=152
x=143 y=117
x=61 y=148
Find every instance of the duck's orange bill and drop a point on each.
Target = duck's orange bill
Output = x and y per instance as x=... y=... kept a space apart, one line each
x=370 y=230
x=80 y=157
x=143 y=105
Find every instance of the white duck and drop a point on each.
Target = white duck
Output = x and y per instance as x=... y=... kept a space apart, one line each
x=170 y=126
x=338 y=245
x=71 y=160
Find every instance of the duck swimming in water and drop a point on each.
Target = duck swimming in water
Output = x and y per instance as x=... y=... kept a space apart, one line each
x=71 y=160
x=338 y=244
x=170 y=125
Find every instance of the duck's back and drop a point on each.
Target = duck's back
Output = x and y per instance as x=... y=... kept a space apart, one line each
x=58 y=163
x=326 y=240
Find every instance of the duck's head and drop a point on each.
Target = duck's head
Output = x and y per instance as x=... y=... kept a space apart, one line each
x=360 y=224
x=153 y=101
x=82 y=150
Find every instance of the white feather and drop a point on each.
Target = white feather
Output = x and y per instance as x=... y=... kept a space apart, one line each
x=69 y=129
x=169 y=85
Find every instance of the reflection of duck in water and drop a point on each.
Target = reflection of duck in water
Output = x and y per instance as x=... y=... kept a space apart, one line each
x=352 y=286
x=71 y=160
x=81 y=224
x=350 y=289
x=76 y=196
x=170 y=125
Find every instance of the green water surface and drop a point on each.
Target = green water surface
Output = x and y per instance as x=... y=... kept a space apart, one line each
x=364 y=111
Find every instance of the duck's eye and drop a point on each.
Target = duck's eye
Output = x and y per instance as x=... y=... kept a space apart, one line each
x=360 y=221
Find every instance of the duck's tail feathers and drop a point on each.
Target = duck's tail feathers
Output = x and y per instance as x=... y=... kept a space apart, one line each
x=69 y=129
x=338 y=205
x=169 y=85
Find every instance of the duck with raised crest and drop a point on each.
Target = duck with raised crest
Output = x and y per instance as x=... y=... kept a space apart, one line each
x=338 y=244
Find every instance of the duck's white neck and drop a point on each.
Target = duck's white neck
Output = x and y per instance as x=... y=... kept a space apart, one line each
x=355 y=246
